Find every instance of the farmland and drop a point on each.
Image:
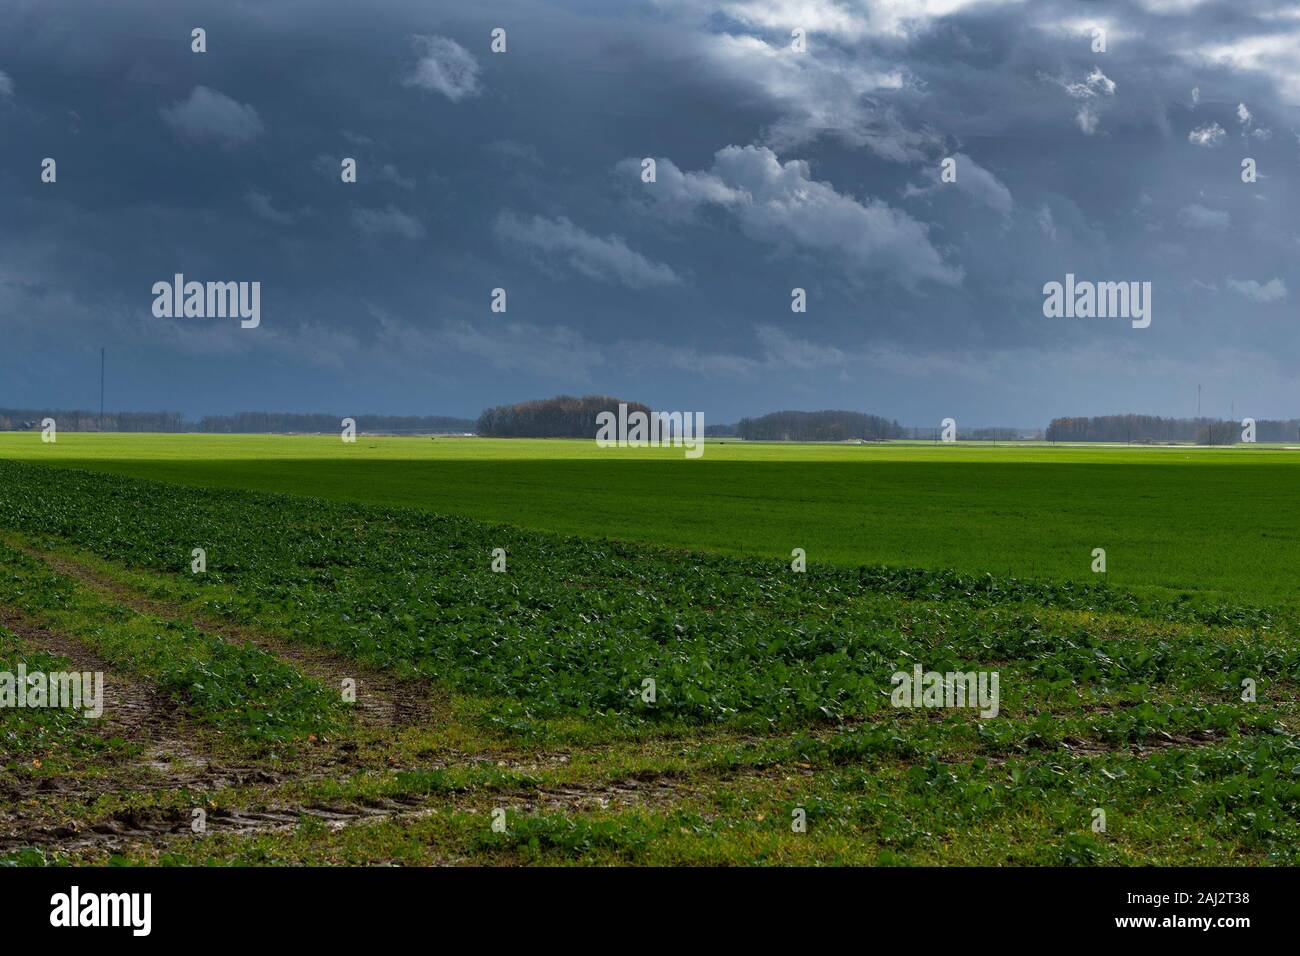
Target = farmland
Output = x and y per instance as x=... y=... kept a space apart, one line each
x=648 y=680
x=1173 y=520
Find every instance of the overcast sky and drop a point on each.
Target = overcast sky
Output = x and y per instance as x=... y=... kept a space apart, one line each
x=776 y=169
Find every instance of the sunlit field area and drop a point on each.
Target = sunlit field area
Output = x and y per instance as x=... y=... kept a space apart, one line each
x=1221 y=522
x=415 y=650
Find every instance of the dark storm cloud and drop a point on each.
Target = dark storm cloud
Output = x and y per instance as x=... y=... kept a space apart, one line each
x=776 y=170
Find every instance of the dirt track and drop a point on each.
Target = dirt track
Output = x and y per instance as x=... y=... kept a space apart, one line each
x=382 y=700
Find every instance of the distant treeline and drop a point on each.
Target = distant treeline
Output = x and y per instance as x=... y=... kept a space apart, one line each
x=76 y=420
x=263 y=422
x=561 y=417
x=934 y=432
x=242 y=423
x=568 y=417
x=1151 y=428
x=992 y=434
x=827 y=425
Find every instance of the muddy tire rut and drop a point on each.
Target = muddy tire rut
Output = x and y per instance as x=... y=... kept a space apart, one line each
x=173 y=757
x=134 y=709
x=382 y=700
x=159 y=826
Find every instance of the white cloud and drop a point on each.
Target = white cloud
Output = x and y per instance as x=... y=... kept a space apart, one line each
x=390 y=221
x=1197 y=216
x=1092 y=88
x=781 y=204
x=607 y=260
x=1209 y=135
x=824 y=17
x=838 y=19
x=1095 y=84
x=1084 y=27
x=1247 y=119
x=676 y=190
x=1171 y=6
x=830 y=94
x=6 y=84
x=1196 y=96
x=444 y=66
x=211 y=116
x=1276 y=54
x=973 y=180
x=1270 y=291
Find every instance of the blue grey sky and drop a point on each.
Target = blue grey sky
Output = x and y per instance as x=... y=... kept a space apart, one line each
x=776 y=169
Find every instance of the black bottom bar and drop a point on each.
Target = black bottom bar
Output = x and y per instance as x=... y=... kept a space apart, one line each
x=336 y=905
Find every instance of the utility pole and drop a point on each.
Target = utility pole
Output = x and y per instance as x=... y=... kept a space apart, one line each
x=101 y=389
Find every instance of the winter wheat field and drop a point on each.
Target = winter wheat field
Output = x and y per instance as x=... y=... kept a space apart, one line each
x=464 y=650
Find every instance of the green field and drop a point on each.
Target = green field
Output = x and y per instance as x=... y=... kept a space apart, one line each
x=1225 y=521
x=519 y=697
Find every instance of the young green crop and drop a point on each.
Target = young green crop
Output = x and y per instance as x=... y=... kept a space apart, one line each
x=577 y=626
